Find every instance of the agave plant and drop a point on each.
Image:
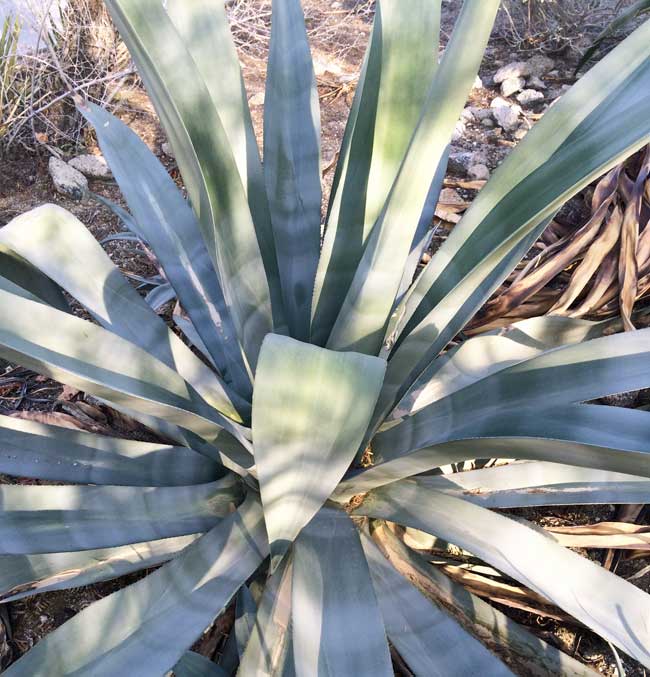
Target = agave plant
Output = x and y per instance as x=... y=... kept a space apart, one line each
x=325 y=387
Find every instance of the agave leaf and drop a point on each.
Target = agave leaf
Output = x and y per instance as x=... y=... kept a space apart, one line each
x=127 y=220
x=609 y=438
x=524 y=651
x=9 y=286
x=337 y=629
x=586 y=133
x=362 y=320
x=573 y=373
x=604 y=602
x=205 y=31
x=76 y=355
x=452 y=315
x=206 y=161
x=26 y=575
x=193 y=664
x=58 y=244
x=18 y=271
x=49 y=452
x=311 y=407
x=486 y=354
x=292 y=161
x=538 y=483
x=427 y=638
x=245 y=613
x=168 y=225
x=399 y=66
x=266 y=651
x=159 y=296
x=617 y=612
x=154 y=621
x=44 y=519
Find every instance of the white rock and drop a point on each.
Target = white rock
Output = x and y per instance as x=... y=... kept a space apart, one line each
x=467 y=114
x=479 y=172
x=529 y=96
x=512 y=85
x=257 y=99
x=92 y=166
x=478 y=83
x=336 y=5
x=459 y=131
x=322 y=66
x=516 y=69
x=67 y=180
x=499 y=102
x=167 y=149
x=507 y=117
x=540 y=64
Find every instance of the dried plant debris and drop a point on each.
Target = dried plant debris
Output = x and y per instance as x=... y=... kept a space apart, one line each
x=595 y=270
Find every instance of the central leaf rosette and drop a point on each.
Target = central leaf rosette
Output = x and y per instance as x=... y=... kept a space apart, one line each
x=311 y=410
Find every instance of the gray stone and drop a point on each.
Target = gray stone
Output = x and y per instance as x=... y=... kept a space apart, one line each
x=67 y=180
x=516 y=69
x=467 y=114
x=92 y=166
x=479 y=172
x=460 y=162
x=482 y=113
x=512 y=85
x=257 y=99
x=521 y=132
x=487 y=122
x=167 y=149
x=507 y=117
x=459 y=131
x=535 y=82
x=529 y=96
x=498 y=102
x=540 y=64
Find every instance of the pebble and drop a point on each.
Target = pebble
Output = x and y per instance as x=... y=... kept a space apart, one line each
x=540 y=64
x=516 y=69
x=529 y=96
x=67 y=180
x=479 y=172
x=467 y=114
x=535 y=82
x=257 y=99
x=487 y=122
x=507 y=117
x=459 y=131
x=512 y=85
x=92 y=166
x=460 y=162
x=167 y=149
x=478 y=83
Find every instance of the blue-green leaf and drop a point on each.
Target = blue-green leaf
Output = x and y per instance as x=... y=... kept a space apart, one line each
x=399 y=66
x=150 y=624
x=46 y=519
x=292 y=161
x=337 y=627
x=311 y=407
